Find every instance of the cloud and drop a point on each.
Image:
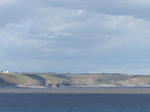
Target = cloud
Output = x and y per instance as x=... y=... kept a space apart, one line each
x=136 y=8
x=8 y=2
x=74 y=36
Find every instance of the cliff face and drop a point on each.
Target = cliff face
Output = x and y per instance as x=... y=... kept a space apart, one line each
x=133 y=82
x=72 y=83
x=57 y=80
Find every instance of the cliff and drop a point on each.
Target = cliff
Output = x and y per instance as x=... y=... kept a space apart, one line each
x=72 y=80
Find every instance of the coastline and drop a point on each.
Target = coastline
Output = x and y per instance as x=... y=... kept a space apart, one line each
x=78 y=90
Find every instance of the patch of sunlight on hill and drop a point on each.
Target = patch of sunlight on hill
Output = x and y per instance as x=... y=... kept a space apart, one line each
x=15 y=78
x=51 y=78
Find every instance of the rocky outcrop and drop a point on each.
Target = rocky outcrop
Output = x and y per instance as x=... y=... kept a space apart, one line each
x=133 y=82
x=83 y=82
x=72 y=83
x=87 y=81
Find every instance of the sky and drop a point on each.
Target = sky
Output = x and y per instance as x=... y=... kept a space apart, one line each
x=75 y=36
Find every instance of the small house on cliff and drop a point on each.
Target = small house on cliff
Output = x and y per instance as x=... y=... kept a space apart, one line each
x=5 y=71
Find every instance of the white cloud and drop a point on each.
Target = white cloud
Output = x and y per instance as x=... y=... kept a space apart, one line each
x=8 y=2
x=83 y=36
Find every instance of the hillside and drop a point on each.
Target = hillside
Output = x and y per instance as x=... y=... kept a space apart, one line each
x=72 y=80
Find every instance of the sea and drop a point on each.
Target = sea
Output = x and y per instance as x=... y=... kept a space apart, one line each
x=70 y=102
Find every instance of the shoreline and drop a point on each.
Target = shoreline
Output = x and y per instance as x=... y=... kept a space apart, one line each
x=78 y=90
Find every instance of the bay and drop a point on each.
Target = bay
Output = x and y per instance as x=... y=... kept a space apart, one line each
x=50 y=102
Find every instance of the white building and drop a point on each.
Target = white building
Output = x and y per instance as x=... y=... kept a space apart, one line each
x=5 y=71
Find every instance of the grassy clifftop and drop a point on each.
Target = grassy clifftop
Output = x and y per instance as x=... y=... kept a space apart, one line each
x=75 y=80
x=9 y=79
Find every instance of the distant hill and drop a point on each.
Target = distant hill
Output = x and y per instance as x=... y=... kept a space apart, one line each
x=72 y=80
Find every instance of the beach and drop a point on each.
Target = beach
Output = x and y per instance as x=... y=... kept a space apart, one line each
x=88 y=90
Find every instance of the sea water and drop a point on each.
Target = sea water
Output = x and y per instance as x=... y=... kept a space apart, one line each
x=49 y=102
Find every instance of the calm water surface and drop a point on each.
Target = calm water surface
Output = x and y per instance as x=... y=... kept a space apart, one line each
x=48 y=102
